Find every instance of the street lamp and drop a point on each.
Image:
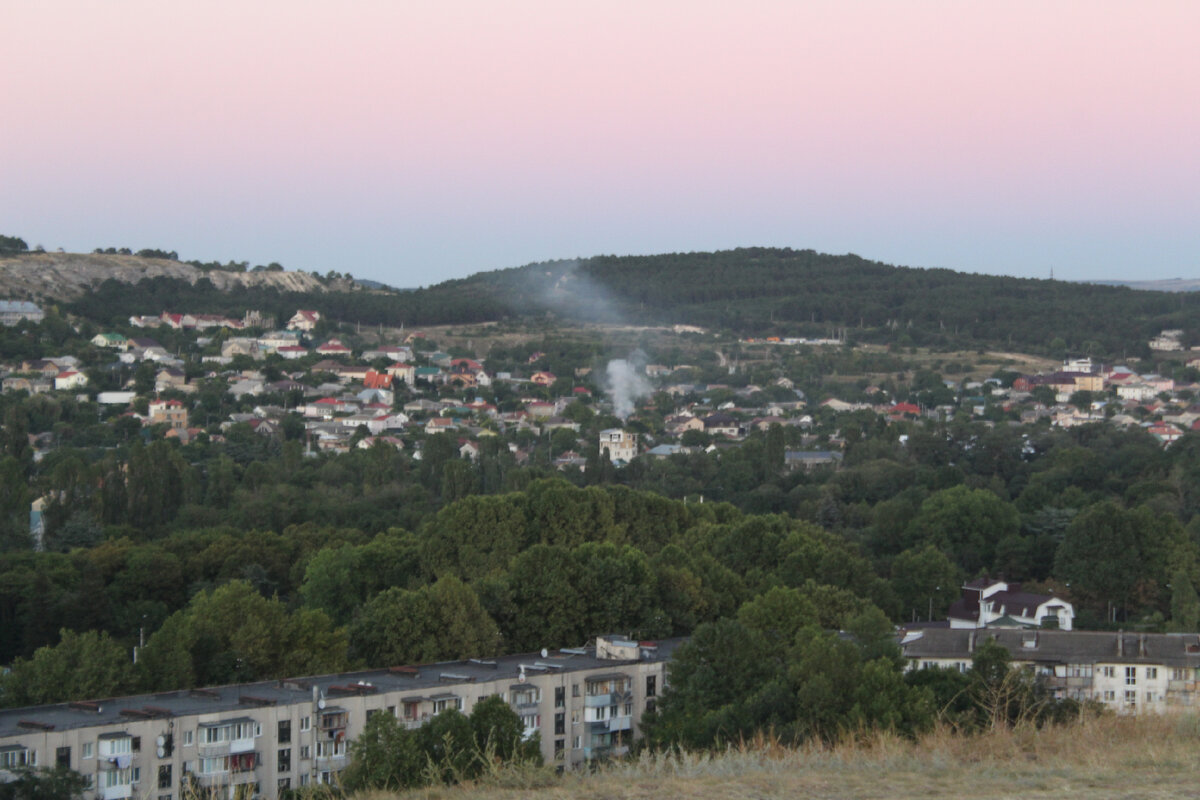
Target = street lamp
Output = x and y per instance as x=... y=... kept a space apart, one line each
x=936 y=589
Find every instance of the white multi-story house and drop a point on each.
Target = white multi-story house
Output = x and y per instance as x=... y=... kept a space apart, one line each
x=620 y=444
x=1127 y=672
x=986 y=601
x=263 y=739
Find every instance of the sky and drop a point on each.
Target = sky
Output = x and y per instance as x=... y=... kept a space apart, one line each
x=411 y=142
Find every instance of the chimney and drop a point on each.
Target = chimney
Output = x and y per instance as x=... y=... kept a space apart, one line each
x=1141 y=645
x=1120 y=644
x=971 y=641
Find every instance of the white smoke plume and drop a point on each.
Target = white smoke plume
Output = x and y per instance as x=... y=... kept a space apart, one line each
x=625 y=384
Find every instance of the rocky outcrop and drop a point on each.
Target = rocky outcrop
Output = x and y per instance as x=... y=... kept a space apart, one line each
x=65 y=276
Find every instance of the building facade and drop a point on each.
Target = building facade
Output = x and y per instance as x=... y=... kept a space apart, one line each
x=1129 y=673
x=620 y=444
x=258 y=740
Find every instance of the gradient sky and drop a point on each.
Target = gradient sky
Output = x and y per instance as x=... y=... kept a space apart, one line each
x=412 y=142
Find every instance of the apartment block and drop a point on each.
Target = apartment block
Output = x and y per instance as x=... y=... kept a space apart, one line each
x=1127 y=672
x=257 y=740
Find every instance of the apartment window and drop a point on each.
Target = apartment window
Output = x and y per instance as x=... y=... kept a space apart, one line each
x=1130 y=698
x=1178 y=674
x=651 y=685
x=629 y=709
x=284 y=758
x=305 y=724
x=560 y=724
x=575 y=743
x=1151 y=673
x=1110 y=672
x=62 y=757
x=560 y=696
x=1131 y=676
x=136 y=774
x=1079 y=671
x=137 y=744
x=164 y=797
x=574 y=716
x=304 y=779
x=574 y=690
x=1109 y=696
x=559 y=746
x=285 y=731
x=283 y=784
x=164 y=776
x=1149 y=697
x=305 y=752
x=188 y=738
x=87 y=749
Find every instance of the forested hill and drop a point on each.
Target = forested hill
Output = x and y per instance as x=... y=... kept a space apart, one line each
x=764 y=291
x=751 y=291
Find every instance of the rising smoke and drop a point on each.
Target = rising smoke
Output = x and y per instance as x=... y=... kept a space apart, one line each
x=625 y=384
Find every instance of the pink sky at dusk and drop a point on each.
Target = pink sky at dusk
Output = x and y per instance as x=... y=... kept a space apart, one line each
x=416 y=141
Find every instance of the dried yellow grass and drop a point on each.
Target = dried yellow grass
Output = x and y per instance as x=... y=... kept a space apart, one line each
x=1099 y=757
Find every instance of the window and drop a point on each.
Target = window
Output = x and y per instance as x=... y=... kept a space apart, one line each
x=1151 y=673
x=574 y=690
x=304 y=779
x=560 y=724
x=574 y=716
x=284 y=784
x=1079 y=670
x=136 y=774
x=559 y=746
x=164 y=797
x=87 y=750
x=89 y=781
x=62 y=757
x=575 y=743
x=305 y=724
x=560 y=696
x=164 y=776
x=1130 y=697
x=651 y=685
x=1149 y=697
x=284 y=758
x=1131 y=676
x=188 y=738
x=18 y=758
x=1110 y=672
x=137 y=744
x=305 y=752
x=285 y=731
x=1110 y=696
x=1178 y=674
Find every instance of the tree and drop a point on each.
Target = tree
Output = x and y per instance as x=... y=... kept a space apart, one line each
x=386 y=755
x=925 y=580
x=44 y=783
x=965 y=524
x=1101 y=554
x=499 y=733
x=80 y=666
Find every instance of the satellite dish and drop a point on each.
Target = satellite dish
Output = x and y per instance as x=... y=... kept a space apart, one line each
x=161 y=751
x=161 y=740
x=321 y=703
x=545 y=652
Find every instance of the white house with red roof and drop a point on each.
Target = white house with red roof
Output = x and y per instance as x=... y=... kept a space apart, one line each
x=70 y=379
x=333 y=347
x=304 y=320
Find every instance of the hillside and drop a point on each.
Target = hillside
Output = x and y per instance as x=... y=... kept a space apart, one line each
x=66 y=276
x=1099 y=758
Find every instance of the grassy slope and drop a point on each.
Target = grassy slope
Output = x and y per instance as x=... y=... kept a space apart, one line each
x=1098 y=758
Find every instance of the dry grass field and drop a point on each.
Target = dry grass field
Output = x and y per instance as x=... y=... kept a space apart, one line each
x=1096 y=759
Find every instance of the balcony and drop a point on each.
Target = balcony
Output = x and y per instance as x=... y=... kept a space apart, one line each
x=610 y=724
x=118 y=792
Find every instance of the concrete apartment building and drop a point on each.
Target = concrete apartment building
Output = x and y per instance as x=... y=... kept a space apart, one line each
x=620 y=444
x=257 y=740
x=1127 y=672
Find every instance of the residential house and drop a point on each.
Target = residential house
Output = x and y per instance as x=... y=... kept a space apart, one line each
x=722 y=425
x=274 y=340
x=170 y=378
x=986 y=600
x=70 y=379
x=242 y=346
x=333 y=347
x=116 y=341
x=1129 y=673
x=304 y=320
x=542 y=378
x=389 y=351
x=171 y=413
x=809 y=460
x=292 y=351
x=270 y=738
x=13 y=311
x=620 y=444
